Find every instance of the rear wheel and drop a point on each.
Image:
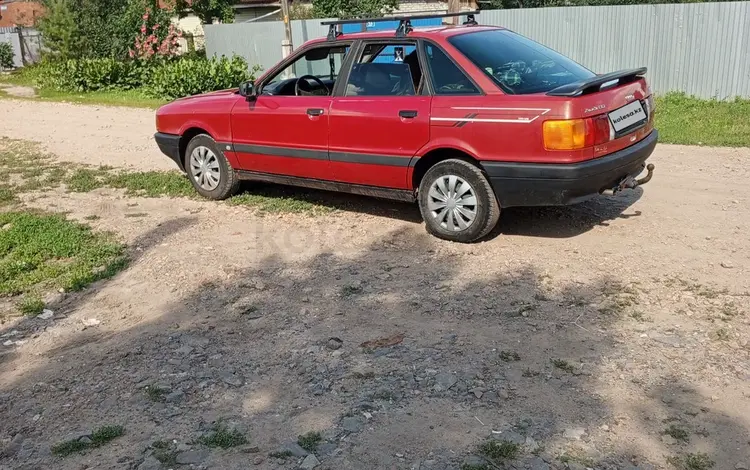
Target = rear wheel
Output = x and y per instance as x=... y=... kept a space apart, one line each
x=208 y=169
x=457 y=202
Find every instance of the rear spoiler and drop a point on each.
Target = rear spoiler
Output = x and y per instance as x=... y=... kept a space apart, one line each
x=594 y=84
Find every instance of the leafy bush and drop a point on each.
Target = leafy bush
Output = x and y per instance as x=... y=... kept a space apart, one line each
x=163 y=78
x=185 y=77
x=6 y=56
x=91 y=74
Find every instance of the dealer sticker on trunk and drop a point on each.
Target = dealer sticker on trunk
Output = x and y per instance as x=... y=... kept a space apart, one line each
x=627 y=116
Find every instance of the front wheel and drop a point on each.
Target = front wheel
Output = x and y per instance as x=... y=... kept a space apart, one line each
x=457 y=202
x=208 y=169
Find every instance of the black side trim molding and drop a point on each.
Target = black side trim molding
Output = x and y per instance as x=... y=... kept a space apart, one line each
x=373 y=191
x=347 y=157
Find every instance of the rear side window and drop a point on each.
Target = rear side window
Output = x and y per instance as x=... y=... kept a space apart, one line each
x=447 y=78
x=517 y=64
x=386 y=70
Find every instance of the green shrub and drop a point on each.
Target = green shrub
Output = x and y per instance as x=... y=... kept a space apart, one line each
x=185 y=77
x=91 y=74
x=6 y=56
x=161 y=78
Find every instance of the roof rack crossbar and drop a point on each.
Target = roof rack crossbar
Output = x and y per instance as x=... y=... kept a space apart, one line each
x=404 y=22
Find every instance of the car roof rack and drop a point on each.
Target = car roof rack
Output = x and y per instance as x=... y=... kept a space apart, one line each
x=404 y=22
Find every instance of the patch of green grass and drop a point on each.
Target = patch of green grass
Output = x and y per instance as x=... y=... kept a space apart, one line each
x=31 y=305
x=84 y=180
x=499 y=451
x=7 y=196
x=98 y=438
x=310 y=441
x=152 y=184
x=47 y=251
x=509 y=356
x=349 y=290
x=677 y=433
x=698 y=461
x=165 y=452
x=63 y=449
x=105 y=434
x=563 y=365
x=468 y=466
x=691 y=121
x=275 y=201
x=576 y=456
x=223 y=437
x=156 y=393
x=281 y=455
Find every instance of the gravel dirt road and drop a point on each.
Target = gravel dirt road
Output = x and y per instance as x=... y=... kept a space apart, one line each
x=609 y=335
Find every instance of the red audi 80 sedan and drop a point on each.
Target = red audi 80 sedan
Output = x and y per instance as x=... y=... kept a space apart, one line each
x=462 y=119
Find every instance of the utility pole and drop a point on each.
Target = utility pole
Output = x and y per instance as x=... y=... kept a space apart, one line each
x=286 y=44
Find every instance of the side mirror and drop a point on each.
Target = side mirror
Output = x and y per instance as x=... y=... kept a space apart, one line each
x=247 y=89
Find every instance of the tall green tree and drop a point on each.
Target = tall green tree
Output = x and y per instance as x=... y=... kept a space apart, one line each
x=353 y=8
x=207 y=10
x=62 y=36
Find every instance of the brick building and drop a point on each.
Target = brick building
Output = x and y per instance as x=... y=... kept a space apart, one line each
x=19 y=13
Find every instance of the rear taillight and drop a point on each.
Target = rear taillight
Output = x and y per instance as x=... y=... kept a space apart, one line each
x=566 y=135
x=575 y=134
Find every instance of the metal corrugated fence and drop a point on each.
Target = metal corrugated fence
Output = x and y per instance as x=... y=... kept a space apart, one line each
x=702 y=49
x=31 y=43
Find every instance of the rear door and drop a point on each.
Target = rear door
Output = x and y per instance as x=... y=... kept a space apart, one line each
x=380 y=117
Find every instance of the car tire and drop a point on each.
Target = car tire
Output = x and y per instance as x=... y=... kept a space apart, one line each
x=457 y=202
x=208 y=169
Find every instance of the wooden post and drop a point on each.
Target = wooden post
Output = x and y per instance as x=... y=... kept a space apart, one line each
x=286 y=44
x=21 y=46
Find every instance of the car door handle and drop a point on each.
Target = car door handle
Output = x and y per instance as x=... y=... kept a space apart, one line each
x=314 y=112
x=408 y=114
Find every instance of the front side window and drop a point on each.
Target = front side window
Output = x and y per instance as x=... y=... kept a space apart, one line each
x=517 y=64
x=322 y=63
x=386 y=70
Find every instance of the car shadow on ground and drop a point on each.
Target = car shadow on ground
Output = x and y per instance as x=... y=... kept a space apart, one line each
x=547 y=222
x=402 y=356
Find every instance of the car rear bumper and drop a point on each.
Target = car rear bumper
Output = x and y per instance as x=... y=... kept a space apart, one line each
x=539 y=184
x=169 y=144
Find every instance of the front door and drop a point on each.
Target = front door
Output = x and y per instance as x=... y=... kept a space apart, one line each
x=382 y=118
x=285 y=130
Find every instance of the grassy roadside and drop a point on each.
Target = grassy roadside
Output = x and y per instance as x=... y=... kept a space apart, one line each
x=31 y=170
x=42 y=253
x=690 y=121
x=127 y=98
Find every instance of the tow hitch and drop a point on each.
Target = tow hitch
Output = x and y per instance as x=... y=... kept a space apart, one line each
x=629 y=182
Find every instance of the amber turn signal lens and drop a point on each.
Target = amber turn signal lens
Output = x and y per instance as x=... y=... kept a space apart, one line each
x=565 y=135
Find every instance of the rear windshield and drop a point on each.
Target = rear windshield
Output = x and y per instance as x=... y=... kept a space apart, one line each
x=519 y=65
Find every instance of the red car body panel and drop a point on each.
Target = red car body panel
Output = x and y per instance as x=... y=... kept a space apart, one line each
x=365 y=141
